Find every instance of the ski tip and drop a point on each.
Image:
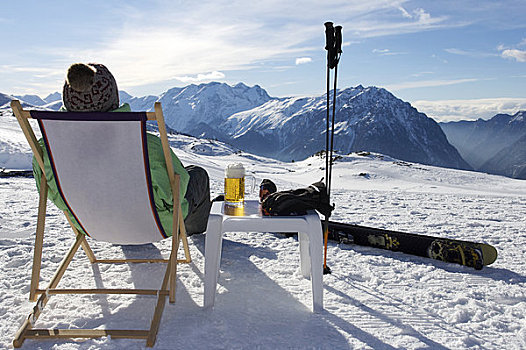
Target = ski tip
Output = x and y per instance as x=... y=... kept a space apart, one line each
x=489 y=254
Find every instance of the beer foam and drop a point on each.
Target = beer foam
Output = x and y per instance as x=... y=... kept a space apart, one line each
x=235 y=171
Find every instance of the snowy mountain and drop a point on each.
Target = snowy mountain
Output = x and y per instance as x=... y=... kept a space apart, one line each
x=494 y=145
x=54 y=97
x=5 y=104
x=32 y=99
x=510 y=161
x=186 y=108
x=54 y=106
x=5 y=100
x=369 y=119
x=51 y=102
x=144 y=103
x=193 y=108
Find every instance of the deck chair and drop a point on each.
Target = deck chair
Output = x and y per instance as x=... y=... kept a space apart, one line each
x=100 y=164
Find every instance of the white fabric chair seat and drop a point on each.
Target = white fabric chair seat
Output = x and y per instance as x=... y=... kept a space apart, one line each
x=100 y=168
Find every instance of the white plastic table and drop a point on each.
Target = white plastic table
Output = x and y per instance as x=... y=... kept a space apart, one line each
x=249 y=219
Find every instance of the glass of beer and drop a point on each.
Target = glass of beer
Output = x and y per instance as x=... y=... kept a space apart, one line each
x=235 y=185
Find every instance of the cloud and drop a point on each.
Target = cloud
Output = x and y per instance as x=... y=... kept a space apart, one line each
x=423 y=17
x=452 y=110
x=518 y=55
x=215 y=75
x=351 y=42
x=513 y=53
x=234 y=36
x=381 y=23
x=387 y=52
x=436 y=57
x=176 y=45
x=187 y=49
x=404 y=12
x=419 y=74
x=476 y=54
x=23 y=69
x=427 y=83
x=303 y=60
x=32 y=79
x=420 y=16
x=456 y=51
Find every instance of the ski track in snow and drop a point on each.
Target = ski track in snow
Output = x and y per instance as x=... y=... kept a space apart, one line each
x=374 y=299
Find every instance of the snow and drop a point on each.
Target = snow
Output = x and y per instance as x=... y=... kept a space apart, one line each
x=15 y=152
x=374 y=299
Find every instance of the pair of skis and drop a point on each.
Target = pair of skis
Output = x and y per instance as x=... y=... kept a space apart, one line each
x=471 y=254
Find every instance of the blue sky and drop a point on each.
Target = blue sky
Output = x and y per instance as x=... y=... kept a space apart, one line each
x=450 y=59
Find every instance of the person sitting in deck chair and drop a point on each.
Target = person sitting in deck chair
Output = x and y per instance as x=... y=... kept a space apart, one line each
x=92 y=88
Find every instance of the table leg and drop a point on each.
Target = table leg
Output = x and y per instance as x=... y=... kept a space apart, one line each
x=213 y=243
x=305 y=257
x=316 y=260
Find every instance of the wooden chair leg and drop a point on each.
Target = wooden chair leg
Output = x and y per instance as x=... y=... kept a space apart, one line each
x=84 y=244
x=42 y=301
x=176 y=239
x=87 y=249
x=161 y=301
x=184 y=238
x=39 y=238
x=150 y=335
x=173 y=266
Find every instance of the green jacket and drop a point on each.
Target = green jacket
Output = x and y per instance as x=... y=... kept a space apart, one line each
x=162 y=193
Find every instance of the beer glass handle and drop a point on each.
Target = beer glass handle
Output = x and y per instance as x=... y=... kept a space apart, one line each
x=253 y=187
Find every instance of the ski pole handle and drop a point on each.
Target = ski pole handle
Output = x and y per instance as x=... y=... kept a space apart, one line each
x=338 y=39
x=337 y=50
x=329 y=36
x=329 y=44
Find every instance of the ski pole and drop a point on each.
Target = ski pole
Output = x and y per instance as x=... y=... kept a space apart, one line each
x=329 y=179
x=336 y=60
x=329 y=46
x=333 y=38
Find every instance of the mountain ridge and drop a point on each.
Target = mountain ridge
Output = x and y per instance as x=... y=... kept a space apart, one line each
x=495 y=146
x=293 y=128
x=286 y=125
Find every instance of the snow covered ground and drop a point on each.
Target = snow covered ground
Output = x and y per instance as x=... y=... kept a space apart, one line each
x=374 y=299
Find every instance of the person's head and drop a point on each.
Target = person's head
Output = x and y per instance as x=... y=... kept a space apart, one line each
x=266 y=188
x=90 y=88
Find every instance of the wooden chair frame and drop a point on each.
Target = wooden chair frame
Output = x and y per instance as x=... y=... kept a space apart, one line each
x=168 y=285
